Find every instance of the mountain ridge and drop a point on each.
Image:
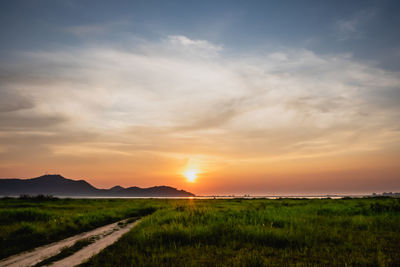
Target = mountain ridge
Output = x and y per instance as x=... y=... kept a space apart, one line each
x=57 y=185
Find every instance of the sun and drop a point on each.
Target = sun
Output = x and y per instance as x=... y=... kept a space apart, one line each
x=191 y=175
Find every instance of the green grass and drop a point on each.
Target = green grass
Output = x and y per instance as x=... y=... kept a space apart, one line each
x=237 y=232
x=67 y=251
x=355 y=232
x=28 y=223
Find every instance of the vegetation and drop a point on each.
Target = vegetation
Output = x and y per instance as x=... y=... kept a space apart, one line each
x=67 y=251
x=28 y=222
x=240 y=232
x=237 y=232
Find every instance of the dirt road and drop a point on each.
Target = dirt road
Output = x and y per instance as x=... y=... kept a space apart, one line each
x=105 y=235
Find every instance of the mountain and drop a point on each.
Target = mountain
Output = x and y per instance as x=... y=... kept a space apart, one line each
x=57 y=185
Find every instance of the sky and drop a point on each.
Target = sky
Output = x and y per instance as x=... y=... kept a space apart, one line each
x=214 y=97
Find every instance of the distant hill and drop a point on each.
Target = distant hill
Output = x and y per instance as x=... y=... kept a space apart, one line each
x=57 y=185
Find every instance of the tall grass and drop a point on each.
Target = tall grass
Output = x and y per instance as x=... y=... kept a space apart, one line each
x=284 y=232
x=27 y=223
x=238 y=232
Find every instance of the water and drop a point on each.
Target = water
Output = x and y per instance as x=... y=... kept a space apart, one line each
x=220 y=197
x=217 y=197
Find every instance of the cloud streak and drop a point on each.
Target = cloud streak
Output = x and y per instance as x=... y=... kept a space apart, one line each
x=351 y=27
x=179 y=98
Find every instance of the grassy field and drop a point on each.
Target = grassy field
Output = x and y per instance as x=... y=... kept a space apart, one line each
x=237 y=232
x=31 y=222
x=356 y=232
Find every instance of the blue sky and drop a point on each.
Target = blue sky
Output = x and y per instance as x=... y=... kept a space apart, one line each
x=252 y=96
x=366 y=29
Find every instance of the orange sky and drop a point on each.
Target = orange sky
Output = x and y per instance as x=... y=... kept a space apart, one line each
x=286 y=122
x=356 y=172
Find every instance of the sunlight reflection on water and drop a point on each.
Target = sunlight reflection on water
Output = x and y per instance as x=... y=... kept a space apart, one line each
x=220 y=197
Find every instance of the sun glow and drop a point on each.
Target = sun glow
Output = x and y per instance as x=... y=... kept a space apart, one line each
x=190 y=174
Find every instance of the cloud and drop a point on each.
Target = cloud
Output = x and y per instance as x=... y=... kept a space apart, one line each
x=28 y=121
x=351 y=28
x=180 y=97
x=196 y=46
x=12 y=101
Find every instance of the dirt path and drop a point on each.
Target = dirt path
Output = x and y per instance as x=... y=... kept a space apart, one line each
x=106 y=235
x=87 y=252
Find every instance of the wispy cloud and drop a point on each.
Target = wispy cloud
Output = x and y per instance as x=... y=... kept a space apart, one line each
x=195 y=46
x=352 y=27
x=179 y=98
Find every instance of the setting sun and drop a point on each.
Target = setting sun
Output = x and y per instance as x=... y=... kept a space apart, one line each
x=191 y=175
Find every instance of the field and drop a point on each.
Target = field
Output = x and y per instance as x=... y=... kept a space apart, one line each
x=31 y=222
x=237 y=232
